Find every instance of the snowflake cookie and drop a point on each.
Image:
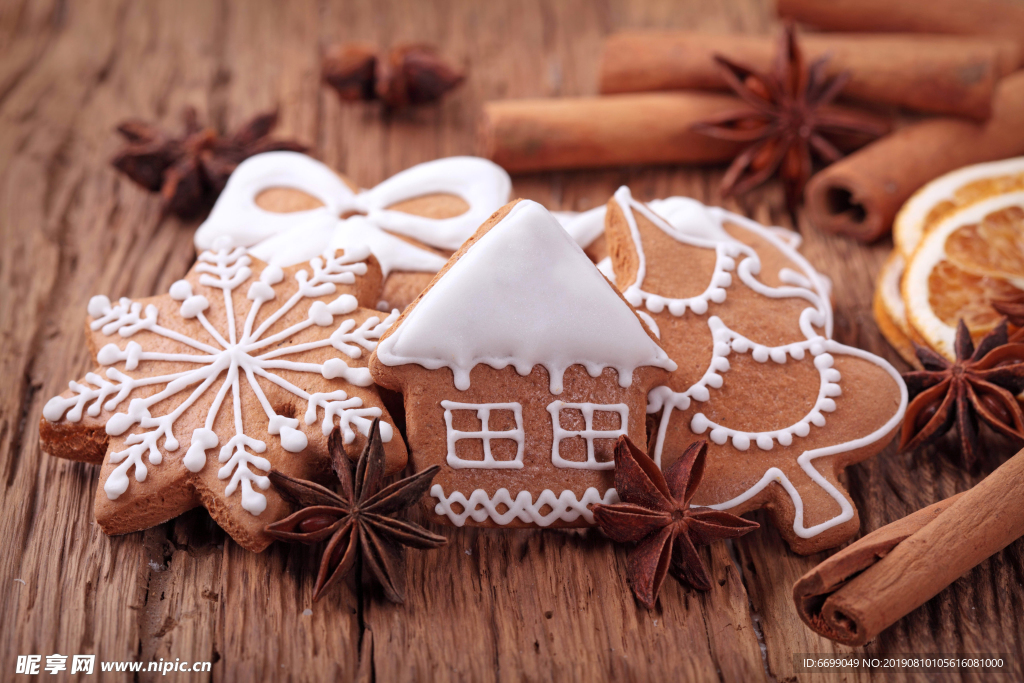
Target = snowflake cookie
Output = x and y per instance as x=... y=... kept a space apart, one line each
x=240 y=368
x=783 y=406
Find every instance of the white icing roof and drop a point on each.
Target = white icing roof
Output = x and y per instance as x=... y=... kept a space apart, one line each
x=524 y=294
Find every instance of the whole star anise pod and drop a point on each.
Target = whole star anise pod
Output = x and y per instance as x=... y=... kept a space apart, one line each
x=656 y=515
x=358 y=519
x=414 y=74
x=190 y=171
x=351 y=70
x=411 y=74
x=981 y=384
x=791 y=121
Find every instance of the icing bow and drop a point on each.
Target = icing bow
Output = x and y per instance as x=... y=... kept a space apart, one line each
x=350 y=219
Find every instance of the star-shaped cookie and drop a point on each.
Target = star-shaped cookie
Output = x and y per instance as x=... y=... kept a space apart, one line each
x=241 y=367
x=749 y=322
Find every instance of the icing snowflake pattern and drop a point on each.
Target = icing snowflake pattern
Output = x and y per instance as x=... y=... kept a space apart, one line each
x=236 y=359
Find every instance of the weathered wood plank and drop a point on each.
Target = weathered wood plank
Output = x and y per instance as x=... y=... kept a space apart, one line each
x=50 y=198
x=270 y=58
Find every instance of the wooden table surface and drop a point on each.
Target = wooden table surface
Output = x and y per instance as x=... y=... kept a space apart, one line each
x=492 y=605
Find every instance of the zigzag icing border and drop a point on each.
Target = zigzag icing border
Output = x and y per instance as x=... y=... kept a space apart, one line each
x=481 y=506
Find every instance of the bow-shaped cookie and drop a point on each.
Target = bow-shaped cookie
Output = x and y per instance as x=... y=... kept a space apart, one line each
x=402 y=241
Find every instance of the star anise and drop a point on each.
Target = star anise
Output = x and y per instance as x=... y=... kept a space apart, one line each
x=190 y=171
x=1014 y=312
x=981 y=384
x=358 y=519
x=790 y=122
x=350 y=69
x=411 y=74
x=656 y=515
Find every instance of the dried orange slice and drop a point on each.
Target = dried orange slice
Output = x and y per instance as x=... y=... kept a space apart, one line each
x=899 y=341
x=993 y=248
x=950 y=193
x=888 y=291
x=889 y=311
x=950 y=274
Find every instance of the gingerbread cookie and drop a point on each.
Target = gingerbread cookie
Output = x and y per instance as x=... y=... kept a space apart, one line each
x=412 y=222
x=783 y=406
x=243 y=366
x=587 y=229
x=520 y=366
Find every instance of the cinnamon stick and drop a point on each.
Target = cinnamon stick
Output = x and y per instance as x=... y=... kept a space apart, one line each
x=935 y=74
x=860 y=194
x=589 y=132
x=613 y=130
x=999 y=18
x=865 y=588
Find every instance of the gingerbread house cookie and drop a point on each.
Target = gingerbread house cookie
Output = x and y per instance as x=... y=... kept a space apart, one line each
x=520 y=365
x=198 y=393
x=288 y=208
x=784 y=407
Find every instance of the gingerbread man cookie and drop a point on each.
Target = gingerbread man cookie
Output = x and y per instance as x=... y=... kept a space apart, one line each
x=749 y=322
x=520 y=365
x=289 y=208
x=243 y=366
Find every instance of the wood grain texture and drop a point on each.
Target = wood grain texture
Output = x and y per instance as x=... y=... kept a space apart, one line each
x=493 y=605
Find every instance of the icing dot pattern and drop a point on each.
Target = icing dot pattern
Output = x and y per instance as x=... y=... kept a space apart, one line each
x=727 y=341
x=694 y=224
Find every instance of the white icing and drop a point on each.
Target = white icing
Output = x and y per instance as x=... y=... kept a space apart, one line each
x=584 y=227
x=588 y=433
x=702 y=226
x=651 y=324
x=807 y=457
x=683 y=213
x=791 y=238
x=689 y=217
x=485 y=435
x=250 y=353
x=286 y=239
x=605 y=266
x=691 y=223
x=524 y=294
x=480 y=506
x=725 y=342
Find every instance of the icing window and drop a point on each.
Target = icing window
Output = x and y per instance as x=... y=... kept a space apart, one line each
x=576 y=426
x=494 y=430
